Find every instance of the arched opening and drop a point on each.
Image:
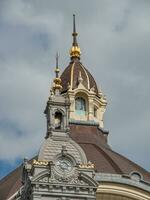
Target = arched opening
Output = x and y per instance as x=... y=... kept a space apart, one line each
x=80 y=106
x=58 y=120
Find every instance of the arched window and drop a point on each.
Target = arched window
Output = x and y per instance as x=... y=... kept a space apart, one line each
x=58 y=120
x=80 y=106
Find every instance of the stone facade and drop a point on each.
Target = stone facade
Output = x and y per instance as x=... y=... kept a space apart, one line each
x=61 y=170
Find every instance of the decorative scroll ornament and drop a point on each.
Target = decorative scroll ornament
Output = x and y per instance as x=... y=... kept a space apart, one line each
x=89 y=165
x=40 y=162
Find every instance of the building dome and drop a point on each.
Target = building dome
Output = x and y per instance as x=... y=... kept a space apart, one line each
x=76 y=72
x=76 y=148
x=87 y=103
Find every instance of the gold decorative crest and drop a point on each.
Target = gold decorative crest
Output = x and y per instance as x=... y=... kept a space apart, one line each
x=40 y=162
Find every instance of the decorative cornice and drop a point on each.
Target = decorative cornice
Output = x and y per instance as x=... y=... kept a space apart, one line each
x=80 y=122
x=122 y=179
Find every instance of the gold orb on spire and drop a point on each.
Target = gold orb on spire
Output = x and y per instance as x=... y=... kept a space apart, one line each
x=57 y=84
x=75 y=51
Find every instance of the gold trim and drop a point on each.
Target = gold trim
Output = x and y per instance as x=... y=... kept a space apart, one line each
x=40 y=162
x=57 y=83
x=75 y=52
x=86 y=76
x=71 y=78
x=57 y=70
x=87 y=166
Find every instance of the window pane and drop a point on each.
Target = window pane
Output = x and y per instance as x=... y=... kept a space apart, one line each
x=80 y=106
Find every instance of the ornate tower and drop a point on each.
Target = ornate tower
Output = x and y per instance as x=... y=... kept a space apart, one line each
x=61 y=170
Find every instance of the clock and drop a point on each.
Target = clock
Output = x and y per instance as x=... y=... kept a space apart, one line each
x=64 y=164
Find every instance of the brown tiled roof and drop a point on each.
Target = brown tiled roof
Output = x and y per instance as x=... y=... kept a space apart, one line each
x=10 y=184
x=71 y=74
x=94 y=142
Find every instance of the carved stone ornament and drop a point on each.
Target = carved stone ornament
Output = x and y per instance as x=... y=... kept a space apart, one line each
x=66 y=178
x=40 y=162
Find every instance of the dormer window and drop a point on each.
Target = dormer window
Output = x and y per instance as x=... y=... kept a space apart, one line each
x=80 y=106
x=58 y=120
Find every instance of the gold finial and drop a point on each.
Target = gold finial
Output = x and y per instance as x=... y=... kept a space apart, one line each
x=57 y=81
x=75 y=49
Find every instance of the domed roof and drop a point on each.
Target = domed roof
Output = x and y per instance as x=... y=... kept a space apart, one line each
x=94 y=142
x=75 y=71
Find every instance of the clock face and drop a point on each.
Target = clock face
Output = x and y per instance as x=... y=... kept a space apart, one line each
x=64 y=164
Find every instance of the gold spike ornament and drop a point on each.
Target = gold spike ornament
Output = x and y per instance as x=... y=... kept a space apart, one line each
x=75 y=51
x=57 y=81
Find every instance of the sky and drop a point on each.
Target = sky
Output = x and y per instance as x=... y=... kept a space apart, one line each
x=114 y=37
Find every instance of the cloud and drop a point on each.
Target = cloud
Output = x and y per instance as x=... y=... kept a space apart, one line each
x=114 y=40
x=21 y=116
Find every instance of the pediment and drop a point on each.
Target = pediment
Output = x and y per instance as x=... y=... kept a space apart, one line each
x=75 y=178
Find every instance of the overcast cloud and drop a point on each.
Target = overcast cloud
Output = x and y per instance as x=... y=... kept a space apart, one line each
x=114 y=37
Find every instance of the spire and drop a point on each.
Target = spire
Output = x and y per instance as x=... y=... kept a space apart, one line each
x=57 y=68
x=75 y=49
x=74 y=34
x=57 y=81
